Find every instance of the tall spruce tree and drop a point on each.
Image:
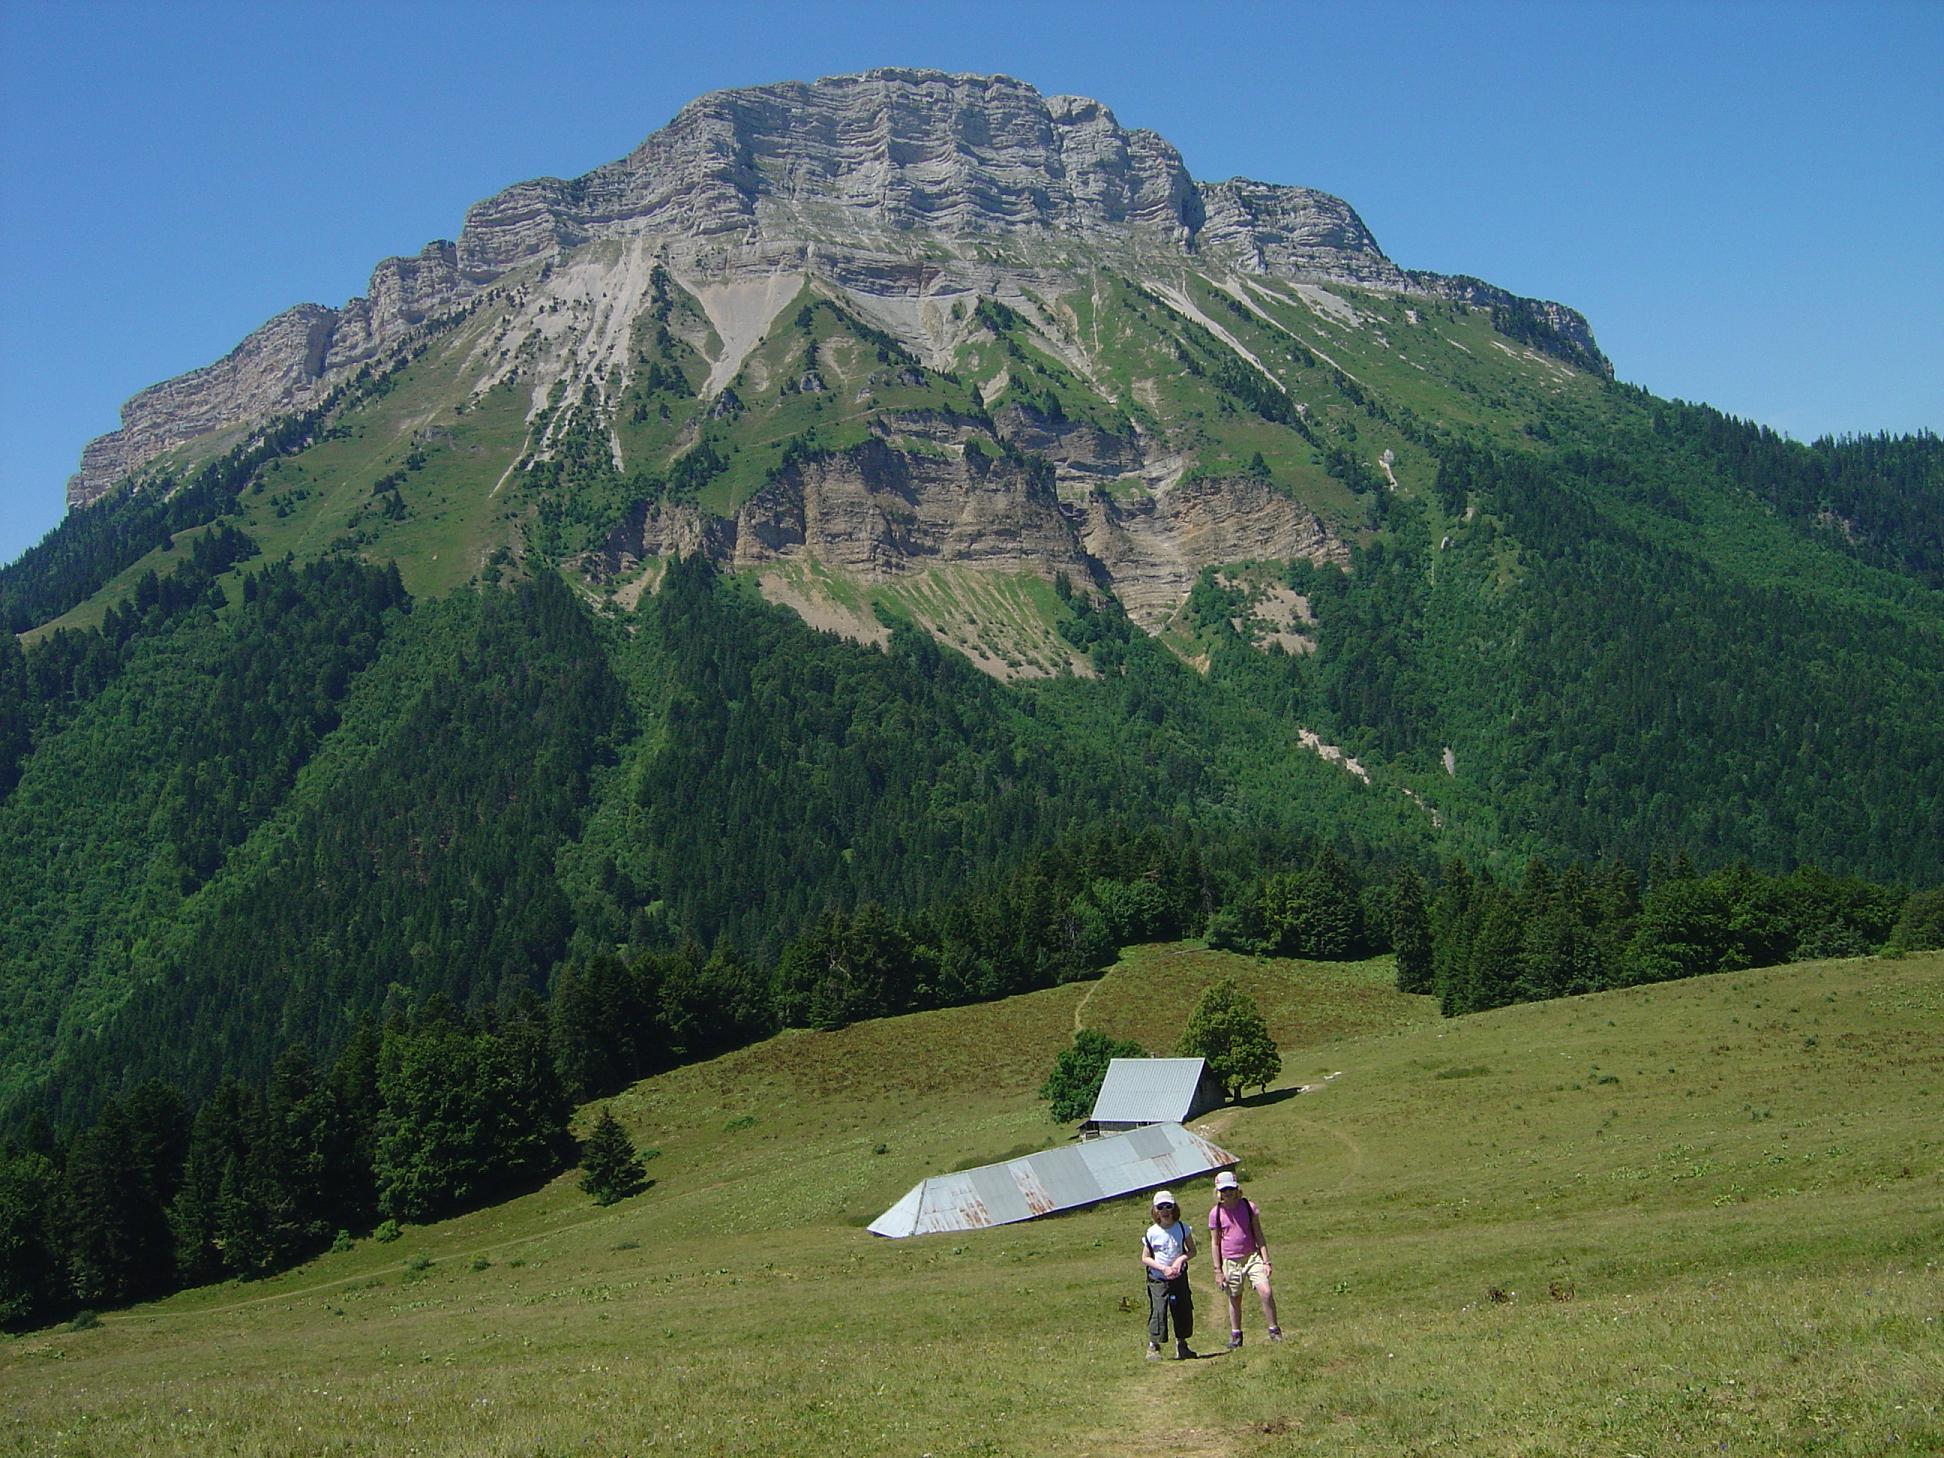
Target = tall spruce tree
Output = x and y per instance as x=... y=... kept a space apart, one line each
x=610 y=1169
x=220 y=1137
x=1410 y=932
x=119 y=1244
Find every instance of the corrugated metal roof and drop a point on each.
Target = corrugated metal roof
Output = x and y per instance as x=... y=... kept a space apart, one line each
x=1147 y=1090
x=1054 y=1179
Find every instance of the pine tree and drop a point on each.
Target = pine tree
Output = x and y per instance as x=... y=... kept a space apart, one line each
x=30 y=1255
x=356 y=1104
x=294 y=1162
x=1410 y=932
x=1495 y=966
x=610 y=1169
x=219 y=1140
x=119 y=1243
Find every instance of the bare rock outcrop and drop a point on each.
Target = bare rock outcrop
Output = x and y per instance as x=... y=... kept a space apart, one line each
x=1293 y=232
x=877 y=514
x=1075 y=447
x=275 y=368
x=874 y=513
x=863 y=176
x=1154 y=547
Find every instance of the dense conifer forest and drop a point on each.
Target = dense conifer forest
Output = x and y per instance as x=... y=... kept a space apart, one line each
x=322 y=901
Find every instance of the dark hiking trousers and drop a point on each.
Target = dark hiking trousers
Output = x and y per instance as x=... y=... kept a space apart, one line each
x=1166 y=1296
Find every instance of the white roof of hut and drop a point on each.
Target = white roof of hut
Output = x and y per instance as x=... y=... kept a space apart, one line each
x=1054 y=1179
x=1149 y=1091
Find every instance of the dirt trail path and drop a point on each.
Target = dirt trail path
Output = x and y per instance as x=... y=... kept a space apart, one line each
x=1148 y=1405
x=1080 y=1007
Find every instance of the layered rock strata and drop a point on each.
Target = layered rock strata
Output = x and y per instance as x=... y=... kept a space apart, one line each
x=877 y=514
x=876 y=181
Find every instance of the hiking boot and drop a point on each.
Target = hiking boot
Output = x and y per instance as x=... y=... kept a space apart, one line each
x=1275 y=1333
x=1184 y=1352
x=1154 y=1351
x=1235 y=1340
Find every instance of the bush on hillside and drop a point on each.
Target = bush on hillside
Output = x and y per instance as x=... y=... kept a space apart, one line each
x=1078 y=1072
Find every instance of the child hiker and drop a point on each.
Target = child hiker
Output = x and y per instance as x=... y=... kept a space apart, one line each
x=1165 y=1250
x=1240 y=1254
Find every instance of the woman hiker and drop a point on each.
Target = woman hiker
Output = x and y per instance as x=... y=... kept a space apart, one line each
x=1240 y=1254
x=1165 y=1250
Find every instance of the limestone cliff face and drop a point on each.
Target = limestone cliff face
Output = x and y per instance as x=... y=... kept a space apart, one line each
x=882 y=154
x=278 y=366
x=287 y=364
x=1152 y=549
x=876 y=183
x=874 y=513
x=1294 y=232
x=878 y=514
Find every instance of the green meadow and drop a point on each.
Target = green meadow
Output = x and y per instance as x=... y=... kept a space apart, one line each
x=1702 y=1217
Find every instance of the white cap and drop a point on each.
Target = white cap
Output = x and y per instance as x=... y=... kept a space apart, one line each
x=1226 y=1180
x=1162 y=1197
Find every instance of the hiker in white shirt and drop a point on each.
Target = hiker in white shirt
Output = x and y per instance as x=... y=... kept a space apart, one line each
x=1165 y=1252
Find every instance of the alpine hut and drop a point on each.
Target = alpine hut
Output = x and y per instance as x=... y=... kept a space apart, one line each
x=1141 y=1091
x=1065 y=1178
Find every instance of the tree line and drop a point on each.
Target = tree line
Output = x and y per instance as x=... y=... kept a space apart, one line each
x=429 y=1114
x=1476 y=943
x=436 y=1111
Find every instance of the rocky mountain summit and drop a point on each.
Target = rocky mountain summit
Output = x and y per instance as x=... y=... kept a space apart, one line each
x=909 y=186
x=844 y=334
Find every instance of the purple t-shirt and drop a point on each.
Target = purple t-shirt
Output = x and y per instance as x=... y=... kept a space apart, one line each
x=1235 y=1229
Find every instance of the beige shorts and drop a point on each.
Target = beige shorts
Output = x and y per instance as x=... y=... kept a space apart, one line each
x=1250 y=1268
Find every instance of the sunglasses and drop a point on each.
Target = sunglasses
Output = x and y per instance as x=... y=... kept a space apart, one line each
x=1164 y=1204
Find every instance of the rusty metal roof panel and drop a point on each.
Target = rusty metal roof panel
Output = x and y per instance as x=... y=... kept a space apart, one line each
x=1148 y=1090
x=1054 y=1179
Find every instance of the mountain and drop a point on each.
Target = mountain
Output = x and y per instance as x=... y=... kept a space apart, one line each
x=906 y=495
x=903 y=192
x=799 y=257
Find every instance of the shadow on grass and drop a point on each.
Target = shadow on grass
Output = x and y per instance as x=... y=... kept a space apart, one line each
x=1264 y=1100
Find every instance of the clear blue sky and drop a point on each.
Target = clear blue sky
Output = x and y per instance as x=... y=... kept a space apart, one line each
x=1743 y=199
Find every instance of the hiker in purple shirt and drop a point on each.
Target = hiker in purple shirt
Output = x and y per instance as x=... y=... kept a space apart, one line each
x=1240 y=1254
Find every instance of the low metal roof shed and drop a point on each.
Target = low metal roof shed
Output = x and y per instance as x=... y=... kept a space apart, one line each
x=1054 y=1179
x=1141 y=1091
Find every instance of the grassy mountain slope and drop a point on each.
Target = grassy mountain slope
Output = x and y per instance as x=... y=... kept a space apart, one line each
x=1692 y=1217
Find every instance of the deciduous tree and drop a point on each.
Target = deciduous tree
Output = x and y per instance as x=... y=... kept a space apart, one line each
x=1080 y=1069
x=1228 y=1030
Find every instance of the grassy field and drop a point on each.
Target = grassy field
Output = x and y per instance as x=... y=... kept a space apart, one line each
x=1699 y=1218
